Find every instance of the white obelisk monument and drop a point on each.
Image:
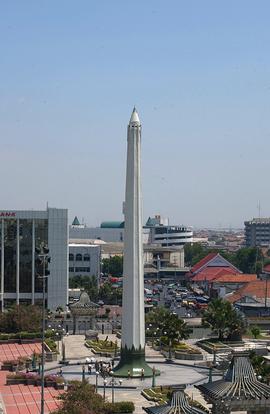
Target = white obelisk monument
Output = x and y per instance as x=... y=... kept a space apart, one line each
x=132 y=359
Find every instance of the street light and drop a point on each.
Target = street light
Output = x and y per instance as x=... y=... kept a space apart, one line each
x=42 y=260
x=113 y=384
x=97 y=374
x=104 y=389
x=154 y=335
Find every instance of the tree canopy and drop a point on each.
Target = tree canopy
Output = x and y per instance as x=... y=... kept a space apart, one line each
x=247 y=259
x=168 y=324
x=88 y=283
x=21 y=318
x=224 y=319
x=113 y=266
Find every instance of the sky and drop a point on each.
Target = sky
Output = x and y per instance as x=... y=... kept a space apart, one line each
x=199 y=75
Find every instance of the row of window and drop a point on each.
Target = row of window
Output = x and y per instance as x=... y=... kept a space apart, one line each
x=79 y=257
x=80 y=269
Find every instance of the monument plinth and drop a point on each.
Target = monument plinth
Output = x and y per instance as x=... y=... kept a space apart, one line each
x=132 y=361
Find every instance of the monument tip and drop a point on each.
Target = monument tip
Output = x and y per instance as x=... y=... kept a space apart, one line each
x=134 y=119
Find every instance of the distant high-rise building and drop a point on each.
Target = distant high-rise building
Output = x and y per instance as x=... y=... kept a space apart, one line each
x=257 y=232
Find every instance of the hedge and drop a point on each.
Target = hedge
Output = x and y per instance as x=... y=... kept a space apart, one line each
x=119 y=407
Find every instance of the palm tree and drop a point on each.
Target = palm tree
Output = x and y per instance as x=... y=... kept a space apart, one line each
x=215 y=316
x=224 y=319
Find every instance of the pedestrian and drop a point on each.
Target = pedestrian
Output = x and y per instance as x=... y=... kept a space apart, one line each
x=129 y=375
x=60 y=371
x=142 y=374
x=113 y=363
x=89 y=369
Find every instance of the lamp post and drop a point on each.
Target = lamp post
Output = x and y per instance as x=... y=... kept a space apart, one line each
x=97 y=374
x=104 y=389
x=57 y=339
x=154 y=377
x=154 y=335
x=113 y=384
x=83 y=373
x=42 y=261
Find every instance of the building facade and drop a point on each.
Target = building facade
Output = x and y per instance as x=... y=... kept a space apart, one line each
x=257 y=232
x=160 y=232
x=84 y=259
x=20 y=233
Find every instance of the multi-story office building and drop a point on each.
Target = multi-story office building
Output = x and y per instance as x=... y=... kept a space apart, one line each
x=20 y=233
x=160 y=232
x=257 y=232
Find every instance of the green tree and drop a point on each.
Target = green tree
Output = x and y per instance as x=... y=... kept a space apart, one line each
x=21 y=318
x=223 y=319
x=163 y=322
x=255 y=331
x=110 y=295
x=249 y=260
x=194 y=253
x=175 y=328
x=113 y=266
x=88 y=283
x=81 y=399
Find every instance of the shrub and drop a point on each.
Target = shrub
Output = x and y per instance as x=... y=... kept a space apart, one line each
x=17 y=375
x=50 y=378
x=51 y=344
x=119 y=407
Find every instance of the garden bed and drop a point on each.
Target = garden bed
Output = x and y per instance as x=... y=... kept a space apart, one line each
x=31 y=378
x=102 y=347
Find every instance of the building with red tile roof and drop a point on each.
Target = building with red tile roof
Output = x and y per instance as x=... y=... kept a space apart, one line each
x=212 y=260
x=252 y=292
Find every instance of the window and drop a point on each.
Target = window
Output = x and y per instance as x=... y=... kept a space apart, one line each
x=71 y=269
x=82 y=269
x=71 y=256
x=86 y=258
x=78 y=257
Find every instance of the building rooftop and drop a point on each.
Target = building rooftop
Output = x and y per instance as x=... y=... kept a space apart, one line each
x=112 y=225
x=179 y=404
x=255 y=289
x=212 y=260
x=240 y=383
x=259 y=220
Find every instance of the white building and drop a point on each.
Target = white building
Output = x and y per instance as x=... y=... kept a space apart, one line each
x=160 y=232
x=20 y=233
x=156 y=231
x=84 y=259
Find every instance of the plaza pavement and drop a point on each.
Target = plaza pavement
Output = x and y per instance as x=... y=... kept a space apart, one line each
x=177 y=373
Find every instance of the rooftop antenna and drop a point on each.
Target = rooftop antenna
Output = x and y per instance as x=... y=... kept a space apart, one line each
x=259 y=208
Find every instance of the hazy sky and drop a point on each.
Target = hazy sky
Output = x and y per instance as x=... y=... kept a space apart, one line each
x=199 y=74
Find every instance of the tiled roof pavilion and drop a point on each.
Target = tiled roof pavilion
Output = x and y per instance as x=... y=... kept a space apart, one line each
x=239 y=390
x=178 y=405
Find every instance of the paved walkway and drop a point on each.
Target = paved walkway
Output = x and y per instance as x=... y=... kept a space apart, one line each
x=75 y=348
x=25 y=399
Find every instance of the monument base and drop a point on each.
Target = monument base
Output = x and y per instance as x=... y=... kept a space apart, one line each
x=132 y=362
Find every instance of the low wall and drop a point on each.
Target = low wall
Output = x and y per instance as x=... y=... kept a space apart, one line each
x=187 y=356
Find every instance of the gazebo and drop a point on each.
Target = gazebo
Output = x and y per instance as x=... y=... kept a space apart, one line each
x=239 y=390
x=83 y=311
x=179 y=404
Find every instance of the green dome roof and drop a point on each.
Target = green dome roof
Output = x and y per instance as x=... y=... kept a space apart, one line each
x=112 y=224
